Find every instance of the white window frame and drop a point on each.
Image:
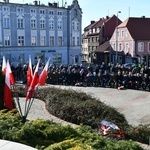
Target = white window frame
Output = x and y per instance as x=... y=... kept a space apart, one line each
x=127 y=47
x=20 y=40
x=51 y=40
x=140 y=46
x=7 y=40
x=51 y=12
x=20 y=23
x=42 y=24
x=51 y=24
x=33 y=40
x=33 y=23
x=42 y=40
x=59 y=24
x=32 y=11
x=73 y=41
x=6 y=22
x=6 y=9
x=42 y=11
x=60 y=41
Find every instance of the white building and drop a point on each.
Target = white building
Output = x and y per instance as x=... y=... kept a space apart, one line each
x=41 y=31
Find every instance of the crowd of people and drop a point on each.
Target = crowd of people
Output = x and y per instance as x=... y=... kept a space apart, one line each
x=110 y=75
x=113 y=76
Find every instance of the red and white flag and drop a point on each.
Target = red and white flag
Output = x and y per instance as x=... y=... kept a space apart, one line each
x=12 y=80
x=4 y=65
x=34 y=83
x=43 y=75
x=8 y=102
x=29 y=72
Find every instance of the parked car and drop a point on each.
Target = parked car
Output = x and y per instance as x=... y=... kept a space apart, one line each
x=127 y=65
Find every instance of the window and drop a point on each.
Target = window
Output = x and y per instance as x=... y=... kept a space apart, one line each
x=127 y=47
x=42 y=40
x=120 y=47
x=141 y=46
x=33 y=11
x=73 y=41
x=59 y=41
x=7 y=40
x=57 y=58
x=59 y=25
x=73 y=26
x=59 y=13
x=51 y=24
x=20 y=10
x=6 y=23
x=6 y=9
x=51 y=40
x=42 y=24
x=20 y=23
x=33 y=23
x=122 y=33
x=20 y=40
x=33 y=40
x=77 y=26
x=51 y=12
x=148 y=47
x=42 y=11
x=78 y=42
x=114 y=46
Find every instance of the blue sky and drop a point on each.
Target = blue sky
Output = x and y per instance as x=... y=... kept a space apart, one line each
x=95 y=9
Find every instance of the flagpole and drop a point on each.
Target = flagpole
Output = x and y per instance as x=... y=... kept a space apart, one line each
x=19 y=107
x=29 y=107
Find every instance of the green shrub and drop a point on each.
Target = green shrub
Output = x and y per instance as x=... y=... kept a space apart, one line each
x=80 y=108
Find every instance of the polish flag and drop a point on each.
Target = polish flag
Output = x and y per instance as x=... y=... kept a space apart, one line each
x=12 y=80
x=34 y=83
x=8 y=102
x=29 y=72
x=4 y=65
x=43 y=75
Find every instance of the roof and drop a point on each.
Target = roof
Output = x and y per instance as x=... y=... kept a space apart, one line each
x=139 y=28
x=89 y=26
x=100 y=23
x=103 y=47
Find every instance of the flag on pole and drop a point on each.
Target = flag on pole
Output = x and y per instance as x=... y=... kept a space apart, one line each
x=29 y=72
x=12 y=80
x=7 y=65
x=43 y=75
x=4 y=65
x=8 y=102
x=34 y=82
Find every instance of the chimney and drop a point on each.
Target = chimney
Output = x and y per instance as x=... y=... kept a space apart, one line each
x=143 y=17
x=55 y=4
x=35 y=3
x=92 y=21
x=107 y=17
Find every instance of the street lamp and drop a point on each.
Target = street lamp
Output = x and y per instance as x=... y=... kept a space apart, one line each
x=117 y=37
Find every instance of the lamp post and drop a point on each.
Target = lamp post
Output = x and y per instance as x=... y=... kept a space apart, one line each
x=117 y=37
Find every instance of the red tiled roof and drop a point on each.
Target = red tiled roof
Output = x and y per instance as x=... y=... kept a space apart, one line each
x=89 y=26
x=103 y=47
x=139 y=28
x=100 y=23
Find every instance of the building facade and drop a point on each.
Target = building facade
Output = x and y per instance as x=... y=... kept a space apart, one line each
x=41 y=31
x=95 y=40
x=133 y=41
